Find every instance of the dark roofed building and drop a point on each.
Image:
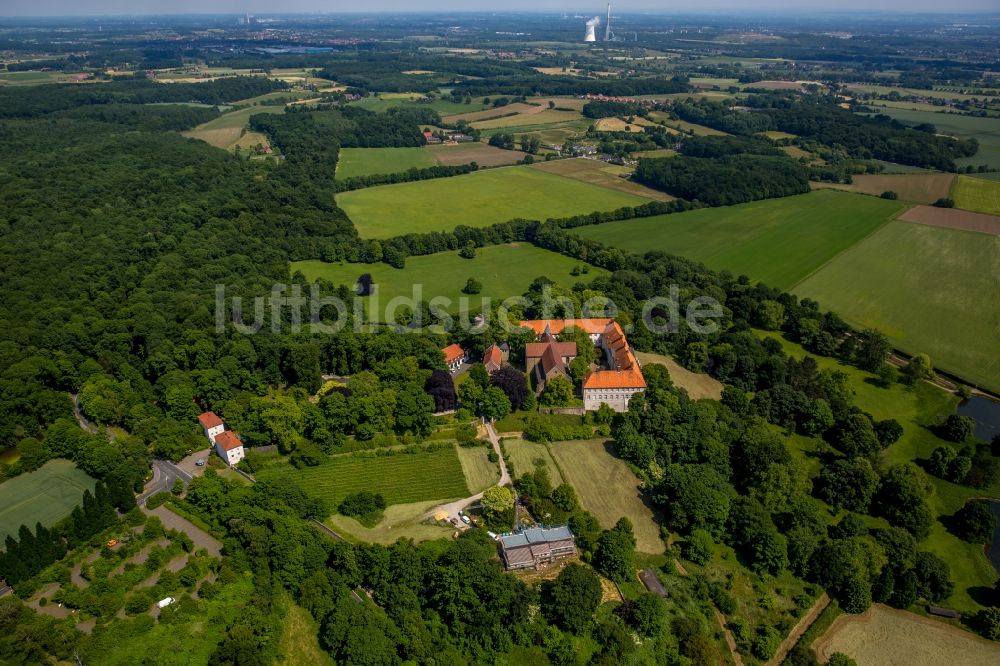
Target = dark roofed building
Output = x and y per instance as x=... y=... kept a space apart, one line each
x=536 y=547
x=548 y=358
x=652 y=582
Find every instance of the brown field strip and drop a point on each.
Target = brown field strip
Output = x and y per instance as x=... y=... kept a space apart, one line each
x=924 y=188
x=952 y=218
x=488 y=114
x=600 y=173
x=480 y=153
x=885 y=636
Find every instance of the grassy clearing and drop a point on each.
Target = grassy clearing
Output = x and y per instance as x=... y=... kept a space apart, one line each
x=699 y=385
x=684 y=126
x=479 y=472
x=976 y=194
x=924 y=188
x=534 y=118
x=400 y=521
x=776 y=241
x=929 y=289
x=491 y=113
x=883 y=635
x=44 y=496
x=299 y=643
x=916 y=409
x=521 y=457
x=503 y=270
x=476 y=199
x=401 y=478
x=600 y=173
x=224 y=131
x=607 y=488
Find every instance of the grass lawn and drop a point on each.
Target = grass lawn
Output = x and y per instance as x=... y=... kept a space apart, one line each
x=607 y=488
x=699 y=385
x=776 y=241
x=401 y=478
x=44 y=496
x=915 y=409
x=929 y=289
x=503 y=270
x=479 y=472
x=224 y=131
x=477 y=199
x=399 y=521
x=982 y=196
x=521 y=456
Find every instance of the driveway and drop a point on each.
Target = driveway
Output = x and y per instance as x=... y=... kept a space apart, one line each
x=200 y=537
x=452 y=508
x=189 y=465
x=164 y=473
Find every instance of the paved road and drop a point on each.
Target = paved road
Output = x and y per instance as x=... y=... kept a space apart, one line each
x=5 y=590
x=200 y=537
x=452 y=508
x=80 y=418
x=164 y=473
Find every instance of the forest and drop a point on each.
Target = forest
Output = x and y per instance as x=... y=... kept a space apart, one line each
x=726 y=180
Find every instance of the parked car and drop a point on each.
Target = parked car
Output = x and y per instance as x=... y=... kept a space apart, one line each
x=200 y=462
x=163 y=603
x=465 y=519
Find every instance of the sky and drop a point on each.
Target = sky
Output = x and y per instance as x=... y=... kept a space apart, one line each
x=141 y=7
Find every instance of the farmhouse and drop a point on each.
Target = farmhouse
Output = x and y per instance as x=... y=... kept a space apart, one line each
x=454 y=357
x=548 y=358
x=211 y=424
x=536 y=547
x=229 y=447
x=495 y=357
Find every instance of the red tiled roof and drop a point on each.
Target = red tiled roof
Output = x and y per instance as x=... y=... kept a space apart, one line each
x=615 y=379
x=452 y=353
x=228 y=441
x=493 y=357
x=209 y=420
x=537 y=349
x=592 y=326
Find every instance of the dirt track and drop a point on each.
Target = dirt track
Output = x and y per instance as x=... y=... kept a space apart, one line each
x=952 y=218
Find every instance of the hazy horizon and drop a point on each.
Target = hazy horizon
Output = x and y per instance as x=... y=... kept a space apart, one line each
x=70 y=8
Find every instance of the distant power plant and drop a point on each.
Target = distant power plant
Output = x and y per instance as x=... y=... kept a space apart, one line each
x=591 y=33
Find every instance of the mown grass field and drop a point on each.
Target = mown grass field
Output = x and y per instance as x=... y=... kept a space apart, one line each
x=401 y=478
x=503 y=270
x=929 y=289
x=400 y=521
x=976 y=194
x=916 y=409
x=607 y=488
x=600 y=173
x=776 y=241
x=521 y=456
x=368 y=161
x=477 y=199
x=699 y=385
x=925 y=188
x=224 y=131
x=44 y=496
x=479 y=472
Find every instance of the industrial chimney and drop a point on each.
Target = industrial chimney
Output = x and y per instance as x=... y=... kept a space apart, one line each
x=591 y=34
x=607 y=25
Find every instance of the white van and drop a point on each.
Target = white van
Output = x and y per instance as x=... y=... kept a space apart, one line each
x=163 y=603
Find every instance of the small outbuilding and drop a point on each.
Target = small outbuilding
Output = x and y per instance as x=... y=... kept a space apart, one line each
x=653 y=582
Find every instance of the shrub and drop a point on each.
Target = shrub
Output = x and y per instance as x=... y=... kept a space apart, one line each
x=362 y=505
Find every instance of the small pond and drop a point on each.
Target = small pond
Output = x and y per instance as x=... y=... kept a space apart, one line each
x=986 y=412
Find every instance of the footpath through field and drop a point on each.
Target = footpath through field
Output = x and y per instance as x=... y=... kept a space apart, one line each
x=452 y=508
x=799 y=629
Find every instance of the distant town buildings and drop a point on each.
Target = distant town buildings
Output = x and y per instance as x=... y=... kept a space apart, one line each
x=536 y=547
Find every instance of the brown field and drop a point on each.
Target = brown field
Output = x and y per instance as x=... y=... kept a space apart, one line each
x=921 y=188
x=487 y=114
x=698 y=385
x=539 y=115
x=482 y=154
x=619 y=125
x=776 y=85
x=952 y=218
x=563 y=102
x=607 y=488
x=885 y=636
x=600 y=173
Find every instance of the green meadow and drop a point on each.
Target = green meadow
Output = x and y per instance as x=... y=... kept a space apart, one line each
x=477 y=200
x=930 y=289
x=503 y=271
x=368 y=161
x=776 y=241
x=44 y=496
x=976 y=194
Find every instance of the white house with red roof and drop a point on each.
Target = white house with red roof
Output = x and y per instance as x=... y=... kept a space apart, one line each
x=212 y=425
x=454 y=357
x=229 y=447
x=225 y=442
